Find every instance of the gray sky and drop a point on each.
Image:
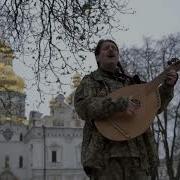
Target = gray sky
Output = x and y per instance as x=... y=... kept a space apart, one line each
x=153 y=18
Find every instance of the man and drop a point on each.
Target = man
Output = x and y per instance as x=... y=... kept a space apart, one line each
x=104 y=159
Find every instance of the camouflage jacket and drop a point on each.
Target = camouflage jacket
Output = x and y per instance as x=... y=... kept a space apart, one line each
x=91 y=103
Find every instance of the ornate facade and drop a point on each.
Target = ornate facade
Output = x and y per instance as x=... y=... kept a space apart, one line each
x=43 y=148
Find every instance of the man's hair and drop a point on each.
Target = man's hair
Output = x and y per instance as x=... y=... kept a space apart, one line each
x=100 y=43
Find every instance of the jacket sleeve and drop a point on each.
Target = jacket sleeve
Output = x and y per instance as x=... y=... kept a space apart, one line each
x=166 y=94
x=91 y=107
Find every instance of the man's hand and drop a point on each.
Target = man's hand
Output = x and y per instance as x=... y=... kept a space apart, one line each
x=133 y=105
x=171 y=77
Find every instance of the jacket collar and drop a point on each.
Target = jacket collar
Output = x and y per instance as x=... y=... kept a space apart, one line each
x=99 y=74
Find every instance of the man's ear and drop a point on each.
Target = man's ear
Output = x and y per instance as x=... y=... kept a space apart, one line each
x=97 y=58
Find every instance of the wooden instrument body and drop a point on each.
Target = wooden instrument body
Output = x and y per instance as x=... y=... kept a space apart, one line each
x=120 y=126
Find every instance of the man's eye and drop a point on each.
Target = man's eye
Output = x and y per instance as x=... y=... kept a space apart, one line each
x=113 y=47
x=105 y=48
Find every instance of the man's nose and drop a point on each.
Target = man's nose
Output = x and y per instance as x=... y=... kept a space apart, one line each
x=111 y=48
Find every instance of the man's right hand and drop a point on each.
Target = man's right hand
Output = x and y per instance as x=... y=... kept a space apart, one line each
x=133 y=106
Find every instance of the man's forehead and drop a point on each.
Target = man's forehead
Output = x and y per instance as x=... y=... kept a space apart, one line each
x=109 y=43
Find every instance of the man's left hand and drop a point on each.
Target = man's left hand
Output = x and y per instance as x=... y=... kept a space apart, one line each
x=171 y=77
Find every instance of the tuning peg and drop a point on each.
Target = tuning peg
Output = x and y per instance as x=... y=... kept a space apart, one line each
x=173 y=60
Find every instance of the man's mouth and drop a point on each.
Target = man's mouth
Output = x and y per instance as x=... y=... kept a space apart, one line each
x=111 y=55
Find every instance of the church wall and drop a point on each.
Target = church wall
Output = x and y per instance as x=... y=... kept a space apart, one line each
x=67 y=146
x=48 y=153
x=66 y=142
x=13 y=149
x=12 y=103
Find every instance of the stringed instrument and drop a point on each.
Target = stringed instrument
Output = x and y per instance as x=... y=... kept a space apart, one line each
x=120 y=126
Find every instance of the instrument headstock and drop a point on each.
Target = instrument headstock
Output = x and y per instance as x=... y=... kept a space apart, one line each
x=174 y=63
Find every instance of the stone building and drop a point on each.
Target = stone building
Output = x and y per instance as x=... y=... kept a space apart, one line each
x=41 y=148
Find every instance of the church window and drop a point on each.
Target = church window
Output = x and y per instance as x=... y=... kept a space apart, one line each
x=31 y=146
x=52 y=111
x=20 y=162
x=78 y=154
x=6 y=163
x=54 y=156
x=21 y=137
x=55 y=153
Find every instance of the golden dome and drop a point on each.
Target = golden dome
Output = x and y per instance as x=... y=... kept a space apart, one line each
x=9 y=80
x=6 y=52
x=18 y=120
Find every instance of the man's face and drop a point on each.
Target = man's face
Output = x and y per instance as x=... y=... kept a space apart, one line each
x=108 y=56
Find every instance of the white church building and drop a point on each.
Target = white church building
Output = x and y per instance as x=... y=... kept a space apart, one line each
x=43 y=148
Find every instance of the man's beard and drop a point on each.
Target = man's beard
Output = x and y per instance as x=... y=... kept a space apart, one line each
x=111 y=66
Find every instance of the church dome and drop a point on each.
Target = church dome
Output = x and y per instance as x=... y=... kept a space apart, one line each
x=57 y=101
x=5 y=48
x=52 y=102
x=8 y=79
x=6 y=53
x=76 y=79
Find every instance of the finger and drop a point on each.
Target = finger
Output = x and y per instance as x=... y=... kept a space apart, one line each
x=171 y=77
x=136 y=104
x=170 y=81
x=136 y=101
x=171 y=70
x=171 y=74
x=130 y=112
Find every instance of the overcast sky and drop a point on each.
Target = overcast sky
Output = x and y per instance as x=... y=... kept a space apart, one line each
x=154 y=18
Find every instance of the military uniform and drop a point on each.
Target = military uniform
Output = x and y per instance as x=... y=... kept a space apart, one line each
x=104 y=159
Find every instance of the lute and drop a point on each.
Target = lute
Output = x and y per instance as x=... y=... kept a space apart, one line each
x=120 y=126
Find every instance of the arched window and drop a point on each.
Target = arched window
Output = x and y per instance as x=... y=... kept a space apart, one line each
x=6 y=163
x=55 y=153
x=20 y=162
x=78 y=154
x=54 y=156
x=21 y=137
